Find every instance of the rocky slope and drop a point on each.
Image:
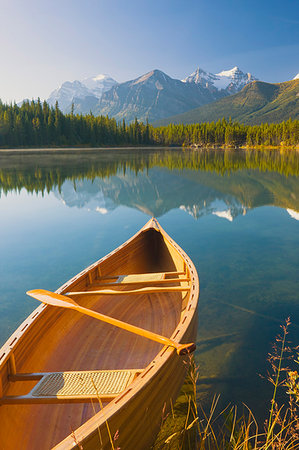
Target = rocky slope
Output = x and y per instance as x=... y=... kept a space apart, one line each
x=153 y=96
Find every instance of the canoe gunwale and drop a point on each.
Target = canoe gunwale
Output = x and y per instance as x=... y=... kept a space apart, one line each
x=150 y=371
x=15 y=339
x=91 y=426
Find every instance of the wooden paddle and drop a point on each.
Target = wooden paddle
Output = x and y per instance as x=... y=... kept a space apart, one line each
x=50 y=298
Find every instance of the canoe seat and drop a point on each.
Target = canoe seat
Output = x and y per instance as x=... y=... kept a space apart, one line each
x=61 y=387
x=141 y=277
x=149 y=278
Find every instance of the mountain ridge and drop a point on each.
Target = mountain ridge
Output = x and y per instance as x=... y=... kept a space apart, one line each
x=257 y=102
x=151 y=96
x=161 y=99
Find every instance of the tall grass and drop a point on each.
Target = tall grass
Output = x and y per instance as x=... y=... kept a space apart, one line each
x=193 y=428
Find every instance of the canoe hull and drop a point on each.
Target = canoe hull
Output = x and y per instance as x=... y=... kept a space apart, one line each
x=51 y=339
x=138 y=420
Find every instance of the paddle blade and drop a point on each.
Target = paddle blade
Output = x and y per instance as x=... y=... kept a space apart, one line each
x=185 y=349
x=50 y=298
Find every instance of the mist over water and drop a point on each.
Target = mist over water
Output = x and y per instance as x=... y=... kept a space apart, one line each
x=234 y=213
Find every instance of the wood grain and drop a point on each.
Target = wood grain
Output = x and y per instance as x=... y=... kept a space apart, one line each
x=53 y=340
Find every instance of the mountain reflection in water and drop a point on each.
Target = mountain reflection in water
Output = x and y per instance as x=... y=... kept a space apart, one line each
x=225 y=183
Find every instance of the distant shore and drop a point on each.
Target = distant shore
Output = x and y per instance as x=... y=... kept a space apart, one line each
x=78 y=149
x=144 y=147
x=242 y=147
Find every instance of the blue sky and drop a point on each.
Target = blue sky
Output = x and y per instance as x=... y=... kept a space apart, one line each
x=44 y=43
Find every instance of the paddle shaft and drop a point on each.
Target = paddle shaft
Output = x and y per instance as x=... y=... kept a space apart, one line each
x=54 y=299
x=133 y=329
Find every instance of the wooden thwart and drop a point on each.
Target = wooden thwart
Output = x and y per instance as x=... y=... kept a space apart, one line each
x=146 y=290
x=148 y=279
x=72 y=387
x=141 y=276
x=147 y=282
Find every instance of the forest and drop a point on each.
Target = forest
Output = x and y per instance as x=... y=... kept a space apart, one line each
x=36 y=124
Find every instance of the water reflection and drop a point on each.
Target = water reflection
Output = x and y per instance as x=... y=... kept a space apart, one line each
x=223 y=207
x=226 y=183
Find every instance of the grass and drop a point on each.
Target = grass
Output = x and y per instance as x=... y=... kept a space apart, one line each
x=190 y=427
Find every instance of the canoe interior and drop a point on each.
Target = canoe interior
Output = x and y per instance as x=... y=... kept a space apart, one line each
x=64 y=340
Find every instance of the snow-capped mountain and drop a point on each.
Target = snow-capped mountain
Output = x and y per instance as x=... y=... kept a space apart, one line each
x=66 y=93
x=153 y=96
x=99 y=84
x=201 y=77
x=232 y=80
x=296 y=77
x=87 y=92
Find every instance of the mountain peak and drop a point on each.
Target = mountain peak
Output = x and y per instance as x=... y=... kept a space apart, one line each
x=91 y=88
x=231 y=81
x=229 y=73
x=100 y=76
x=296 y=77
x=155 y=74
x=200 y=76
x=99 y=84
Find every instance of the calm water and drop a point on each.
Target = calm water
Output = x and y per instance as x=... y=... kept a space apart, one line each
x=235 y=214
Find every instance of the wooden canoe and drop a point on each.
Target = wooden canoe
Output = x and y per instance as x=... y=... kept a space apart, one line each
x=44 y=365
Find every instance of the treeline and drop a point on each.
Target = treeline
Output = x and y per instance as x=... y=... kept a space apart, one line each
x=227 y=133
x=36 y=124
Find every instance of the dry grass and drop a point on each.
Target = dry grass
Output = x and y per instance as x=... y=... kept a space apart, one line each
x=197 y=429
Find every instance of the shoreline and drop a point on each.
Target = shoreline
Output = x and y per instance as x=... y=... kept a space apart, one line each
x=145 y=147
x=77 y=149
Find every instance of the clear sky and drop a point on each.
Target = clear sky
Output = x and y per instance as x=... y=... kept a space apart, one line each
x=47 y=42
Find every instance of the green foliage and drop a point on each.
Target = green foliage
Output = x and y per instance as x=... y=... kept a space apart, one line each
x=38 y=125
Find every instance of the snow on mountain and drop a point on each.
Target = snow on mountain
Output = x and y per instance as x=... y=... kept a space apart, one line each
x=66 y=93
x=296 y=77
x=99 y=84
x=153 y=96
x=72 y=91
x=232 y=80
x=293 y=214
x=201 y=77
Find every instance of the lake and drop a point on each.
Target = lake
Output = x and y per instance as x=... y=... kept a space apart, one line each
x=235 y=213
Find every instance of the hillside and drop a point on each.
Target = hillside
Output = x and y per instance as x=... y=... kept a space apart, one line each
x=257 y=102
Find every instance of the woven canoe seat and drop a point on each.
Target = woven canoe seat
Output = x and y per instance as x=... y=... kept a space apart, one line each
x=60 y=387
x=95 y=383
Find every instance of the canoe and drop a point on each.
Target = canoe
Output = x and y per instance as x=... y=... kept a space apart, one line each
x=68 y=380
